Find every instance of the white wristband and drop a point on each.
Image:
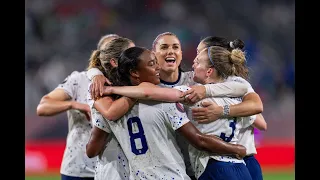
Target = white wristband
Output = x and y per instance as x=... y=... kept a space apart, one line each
x=91 y=73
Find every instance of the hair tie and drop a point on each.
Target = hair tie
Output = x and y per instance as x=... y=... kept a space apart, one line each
x=231 y=44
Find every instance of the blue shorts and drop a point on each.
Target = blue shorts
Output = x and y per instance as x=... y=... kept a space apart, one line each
x=218 y=170
x=64 y=177
x=253 y=167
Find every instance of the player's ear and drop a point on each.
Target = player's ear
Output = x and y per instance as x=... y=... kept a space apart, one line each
x=209 y=71
x=134 y=73
x=113 y=62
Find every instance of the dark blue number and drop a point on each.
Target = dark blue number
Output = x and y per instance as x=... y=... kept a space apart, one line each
x=232 y=124
x=139 y=134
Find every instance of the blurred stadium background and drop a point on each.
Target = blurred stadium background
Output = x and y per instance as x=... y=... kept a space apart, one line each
x=60 y=35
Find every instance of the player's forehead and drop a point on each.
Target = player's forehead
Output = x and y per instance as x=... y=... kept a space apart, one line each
x=147 y=56
x=168 y=40
x=201 y=46
x=203 y=54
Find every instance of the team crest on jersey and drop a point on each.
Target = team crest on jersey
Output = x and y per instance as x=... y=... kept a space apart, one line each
x=180 y=107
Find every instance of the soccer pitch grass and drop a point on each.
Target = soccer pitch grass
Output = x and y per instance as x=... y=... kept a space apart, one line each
x=266 y=176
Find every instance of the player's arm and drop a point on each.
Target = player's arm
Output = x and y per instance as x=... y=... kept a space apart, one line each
x=55 y=102
x=113 y=110
x=60 y=99
x=98 y=80
x=179 y=121
x=251 y=104
x=260 y=123
x=210 y=143
x=224 y=89
x=146 y=91
x=96 y=143
x=99 y=134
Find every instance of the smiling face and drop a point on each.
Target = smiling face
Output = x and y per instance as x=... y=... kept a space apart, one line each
x=201 y=67
x=148 y=68
x=168 y=52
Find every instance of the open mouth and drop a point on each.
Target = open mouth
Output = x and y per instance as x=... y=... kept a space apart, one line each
x=170 y=60
x=158 y=74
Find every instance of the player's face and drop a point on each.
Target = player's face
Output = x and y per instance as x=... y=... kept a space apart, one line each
x=201 y=46
x=148 y=68
x=200 y=67
x=168 y=52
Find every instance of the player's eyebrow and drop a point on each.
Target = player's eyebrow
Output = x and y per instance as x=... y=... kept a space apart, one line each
x=174 y=44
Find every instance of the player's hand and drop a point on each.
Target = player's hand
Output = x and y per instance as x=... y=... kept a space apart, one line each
x=209 y=112
x=107 y=90
x=240 y=151
x=96 y=88
x=84 y=108
x=195 y=94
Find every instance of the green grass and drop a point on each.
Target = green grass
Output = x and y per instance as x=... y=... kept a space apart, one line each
x=267 y=176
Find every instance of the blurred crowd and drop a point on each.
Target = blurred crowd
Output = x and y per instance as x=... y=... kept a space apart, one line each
x=60 y=36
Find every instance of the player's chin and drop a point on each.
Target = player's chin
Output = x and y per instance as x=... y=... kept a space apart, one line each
x=170 y=69
x=155 y=80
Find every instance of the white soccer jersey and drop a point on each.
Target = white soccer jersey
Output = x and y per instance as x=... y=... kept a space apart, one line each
x=147 y=136
x=227 y=129
x=75 y=161
x=185 y=78
x=246 y=135
x=112 y=162
x=246 y=138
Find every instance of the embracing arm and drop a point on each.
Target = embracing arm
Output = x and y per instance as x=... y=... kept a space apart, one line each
x=260 y=123
x=210 y=143
x=251 y=104
x=54 y=103
x=113 y=110
x=229 y=89
x=96 y=143
x=147 y=91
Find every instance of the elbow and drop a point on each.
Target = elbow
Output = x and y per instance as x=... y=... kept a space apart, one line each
x=263 y=127
x=41 y=110
x=109 y=115
x=258 y=108
x=91 y=152
x=199 y=142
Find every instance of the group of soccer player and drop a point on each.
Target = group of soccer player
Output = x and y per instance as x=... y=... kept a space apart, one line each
x=135 y=114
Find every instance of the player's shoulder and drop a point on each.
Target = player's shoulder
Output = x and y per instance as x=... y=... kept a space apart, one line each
x=237 y=79
x=76 y=75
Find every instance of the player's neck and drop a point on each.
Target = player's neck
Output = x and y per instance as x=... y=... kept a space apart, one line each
x=213 y=80
x=169 y=76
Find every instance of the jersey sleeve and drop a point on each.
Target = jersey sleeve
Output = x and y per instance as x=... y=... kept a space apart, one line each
x=241 y=80
x=99 y=121
x=70 y=83
x=229 y=89
x=91 y=73
x=176 y=113
x=248 y=121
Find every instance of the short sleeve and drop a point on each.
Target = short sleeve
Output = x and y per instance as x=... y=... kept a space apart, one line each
x=176 y=114
x=70 y=83
x=98 y=120
x=91 y=73
x=248 y=121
